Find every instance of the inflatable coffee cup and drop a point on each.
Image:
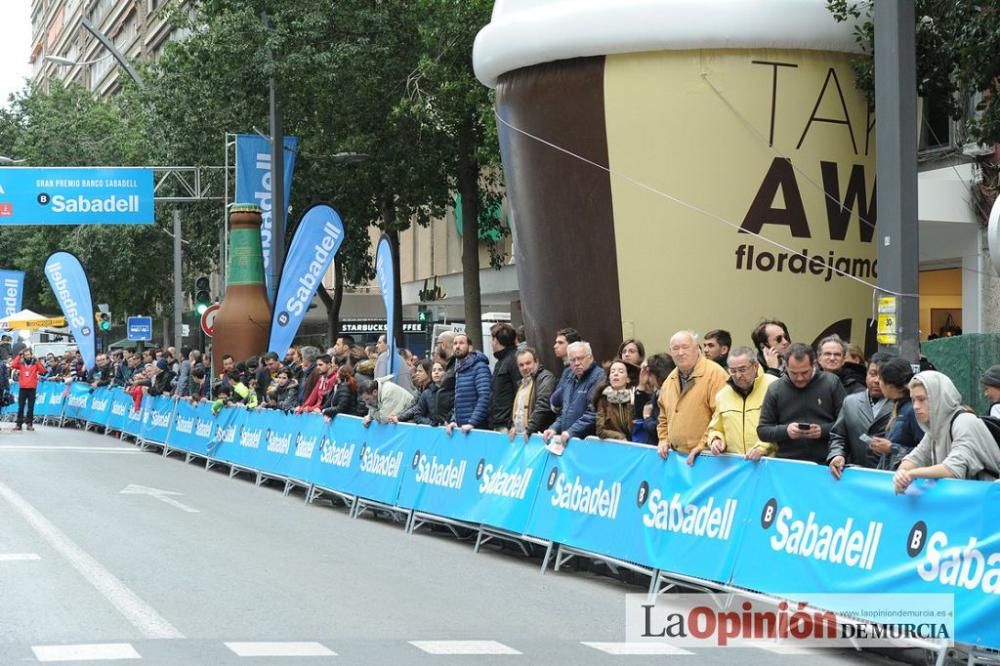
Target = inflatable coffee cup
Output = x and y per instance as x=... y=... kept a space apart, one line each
x=686 y=164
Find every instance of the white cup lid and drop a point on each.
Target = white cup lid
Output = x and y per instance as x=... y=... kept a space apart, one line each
x=529 y=32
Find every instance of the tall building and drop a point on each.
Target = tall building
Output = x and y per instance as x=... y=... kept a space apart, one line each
x=63 y=50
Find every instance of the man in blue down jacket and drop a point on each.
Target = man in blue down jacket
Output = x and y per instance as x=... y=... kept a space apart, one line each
x=577 y=418
x=473 y=386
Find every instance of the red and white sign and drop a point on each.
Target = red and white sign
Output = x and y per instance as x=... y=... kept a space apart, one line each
x=208 y=319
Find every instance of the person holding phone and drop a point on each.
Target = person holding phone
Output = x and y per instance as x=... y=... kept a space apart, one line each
x=799 y=409
x=864 y=417
x=771 y=338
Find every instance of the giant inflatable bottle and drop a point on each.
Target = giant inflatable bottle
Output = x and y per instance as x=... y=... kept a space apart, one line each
x=244 y=320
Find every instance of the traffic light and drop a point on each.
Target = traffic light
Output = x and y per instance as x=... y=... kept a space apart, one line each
x=423 y=314
x=102 y=320
x=202 y=297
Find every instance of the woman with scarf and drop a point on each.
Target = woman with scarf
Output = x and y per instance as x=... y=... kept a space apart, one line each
x=614 y=403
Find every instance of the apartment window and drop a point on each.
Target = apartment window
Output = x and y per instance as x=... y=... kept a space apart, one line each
x=936 y=127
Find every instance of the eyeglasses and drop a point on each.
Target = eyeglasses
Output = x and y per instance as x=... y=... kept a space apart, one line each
x=781 y=337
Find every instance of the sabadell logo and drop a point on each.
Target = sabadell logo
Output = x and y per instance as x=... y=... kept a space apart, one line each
x=916 y=539
x=283 y=318
x=553 y=475
x=643 y=494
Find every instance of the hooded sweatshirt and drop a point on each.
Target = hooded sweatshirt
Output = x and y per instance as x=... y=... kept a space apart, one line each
x=955 y=437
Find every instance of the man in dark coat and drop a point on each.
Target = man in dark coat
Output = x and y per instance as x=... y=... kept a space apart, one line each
x=832 y=355
x=532 y=411
x=506 y=376
x=800 y=409
x=865 y=413
x=577 y=418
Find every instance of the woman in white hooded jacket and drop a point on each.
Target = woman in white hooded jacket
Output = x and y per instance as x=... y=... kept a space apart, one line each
x=956 y=443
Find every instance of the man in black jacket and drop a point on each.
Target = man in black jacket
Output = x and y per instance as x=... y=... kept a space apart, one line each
x=506 y=376
x=532 y=410
x=832 y=356
x=800 y=409
x=445 y=397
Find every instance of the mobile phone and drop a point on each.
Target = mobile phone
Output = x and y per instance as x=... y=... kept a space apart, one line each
x=803 y=426
x=865 y=438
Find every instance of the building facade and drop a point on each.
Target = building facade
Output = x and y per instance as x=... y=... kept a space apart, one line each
x=63 y=50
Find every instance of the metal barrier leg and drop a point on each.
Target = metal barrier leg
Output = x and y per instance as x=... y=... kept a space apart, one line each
x=548 y=556
x=654 y=582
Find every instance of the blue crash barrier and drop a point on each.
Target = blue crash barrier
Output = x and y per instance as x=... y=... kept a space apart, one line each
x=775 y=527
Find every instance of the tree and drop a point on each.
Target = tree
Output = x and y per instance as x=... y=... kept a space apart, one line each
x=354 y=77
x=445 y=95
x=958 y=58
x=342 y=75
x=67 y=126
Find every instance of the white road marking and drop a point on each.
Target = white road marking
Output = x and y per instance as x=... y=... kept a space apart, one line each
x=464 y=647
x=280 y=649
x=93 y=652
x=18 y=557
x=162 y=495
x=75 y=449
x=636 y=648
x=140 y=614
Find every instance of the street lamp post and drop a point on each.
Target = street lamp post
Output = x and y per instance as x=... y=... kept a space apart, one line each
x=178 y=257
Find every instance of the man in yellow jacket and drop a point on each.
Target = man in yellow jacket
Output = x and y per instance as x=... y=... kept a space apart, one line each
x=733 y=428
x=687 y=398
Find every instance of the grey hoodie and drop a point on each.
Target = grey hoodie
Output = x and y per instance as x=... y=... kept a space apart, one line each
x=964 y=446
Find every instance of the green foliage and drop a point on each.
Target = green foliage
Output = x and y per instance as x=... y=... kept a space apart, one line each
x=69 y=127
x=391 y=80
x=445 y=97
x=958 y=54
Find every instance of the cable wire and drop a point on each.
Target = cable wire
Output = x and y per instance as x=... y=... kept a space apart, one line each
x=689 y=206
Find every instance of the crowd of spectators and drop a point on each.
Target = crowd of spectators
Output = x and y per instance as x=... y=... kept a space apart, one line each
x=825 y=404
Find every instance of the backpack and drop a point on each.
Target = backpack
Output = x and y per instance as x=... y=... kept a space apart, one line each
x=992 y=424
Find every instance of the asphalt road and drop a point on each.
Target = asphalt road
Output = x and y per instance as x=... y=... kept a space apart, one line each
x=224 y=570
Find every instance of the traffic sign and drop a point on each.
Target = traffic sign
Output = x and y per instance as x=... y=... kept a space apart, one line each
x=208 y=319
x=140 y=328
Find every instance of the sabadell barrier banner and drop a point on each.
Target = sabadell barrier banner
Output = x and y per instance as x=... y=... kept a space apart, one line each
x=777 y=527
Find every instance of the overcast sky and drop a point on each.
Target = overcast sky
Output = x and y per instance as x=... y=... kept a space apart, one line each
x=15 y=46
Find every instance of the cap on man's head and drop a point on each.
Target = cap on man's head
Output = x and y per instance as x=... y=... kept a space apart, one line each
x=992 y=376
x=162 y=364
